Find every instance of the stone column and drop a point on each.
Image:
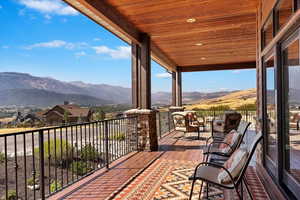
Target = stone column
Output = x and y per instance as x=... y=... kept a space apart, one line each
x=146 y=129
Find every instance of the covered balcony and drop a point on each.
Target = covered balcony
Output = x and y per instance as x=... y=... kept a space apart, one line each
x=143 y=156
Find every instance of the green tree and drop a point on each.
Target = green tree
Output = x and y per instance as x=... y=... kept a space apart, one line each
x=66 y=117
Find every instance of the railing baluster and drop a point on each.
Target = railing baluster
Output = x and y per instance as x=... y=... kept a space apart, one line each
x=6 y=173
x=67 y=154
x=25 y=166
x=106 y=143
x=16 y=165
x=33 y=165
x=77 y=151
x=55 y=159
x=72 y=151
x=94 y=148
x=42 y=169
x=80 y=146
x=85 y=152
x=61 y=157
x=49 y=163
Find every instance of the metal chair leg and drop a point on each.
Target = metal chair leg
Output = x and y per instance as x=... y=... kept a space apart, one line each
x=200 y=192
x=192 y=190
x=207 y=192
x=237 y=192
x=242 y=191
x=247 y=188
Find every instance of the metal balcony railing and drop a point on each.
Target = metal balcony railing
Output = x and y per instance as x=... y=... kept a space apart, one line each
x=36 y=164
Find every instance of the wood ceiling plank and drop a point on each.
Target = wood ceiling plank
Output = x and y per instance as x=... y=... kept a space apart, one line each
x=227 y=29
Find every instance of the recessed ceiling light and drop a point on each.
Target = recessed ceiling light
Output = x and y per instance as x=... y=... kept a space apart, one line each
x=203 y=58
x=199 y=44
x=191 y=20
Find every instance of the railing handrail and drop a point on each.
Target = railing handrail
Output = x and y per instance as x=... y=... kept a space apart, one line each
x=62 y=126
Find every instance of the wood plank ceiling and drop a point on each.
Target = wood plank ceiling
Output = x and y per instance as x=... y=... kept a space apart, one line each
x=225 y=28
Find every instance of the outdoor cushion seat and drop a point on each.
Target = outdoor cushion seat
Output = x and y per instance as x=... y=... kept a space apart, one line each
x=210 y=174
x=183 y=129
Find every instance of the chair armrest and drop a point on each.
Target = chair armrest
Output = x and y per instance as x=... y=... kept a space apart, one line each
x=216 y=166
x=212 y=137
x=218 y=142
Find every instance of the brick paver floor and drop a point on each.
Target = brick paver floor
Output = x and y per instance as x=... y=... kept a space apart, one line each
x=106 y=184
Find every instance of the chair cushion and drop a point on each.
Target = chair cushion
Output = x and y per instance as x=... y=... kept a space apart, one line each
x=179 y=121
x=180 y=129
x=232 y=138
x=234 y=165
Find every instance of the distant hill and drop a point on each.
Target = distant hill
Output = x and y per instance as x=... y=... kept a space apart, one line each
x=113 y=94
x=43 y=98
x=25 y=89
x=232 y=99
x=187 y=97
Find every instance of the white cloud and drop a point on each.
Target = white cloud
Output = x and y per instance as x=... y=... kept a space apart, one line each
x=51 y=44
x=236 y=71
x=55 y=7
x=81 y=53
x=5 y=47
x=48 y=17
x=122 y=52
x=97 y=39
x=163 y=75
x=58 y=44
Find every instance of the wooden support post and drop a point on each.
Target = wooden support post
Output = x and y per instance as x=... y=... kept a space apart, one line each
x=178 y=89
x=145 y=75
x=173 y=89
x=135 y=69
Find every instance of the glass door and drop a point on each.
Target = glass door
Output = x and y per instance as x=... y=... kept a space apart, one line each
x=271 y=146
x=291 y=132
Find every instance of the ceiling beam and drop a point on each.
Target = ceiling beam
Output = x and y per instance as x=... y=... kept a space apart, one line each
x=215 y=67
x=161 y=58
x=110 y=18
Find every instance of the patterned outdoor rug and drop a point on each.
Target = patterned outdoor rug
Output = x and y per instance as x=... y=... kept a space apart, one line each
x=166 y=179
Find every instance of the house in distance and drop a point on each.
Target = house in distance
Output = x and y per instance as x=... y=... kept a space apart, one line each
x=67 y=113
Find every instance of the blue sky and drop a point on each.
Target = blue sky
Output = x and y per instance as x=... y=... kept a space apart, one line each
x=48 y=38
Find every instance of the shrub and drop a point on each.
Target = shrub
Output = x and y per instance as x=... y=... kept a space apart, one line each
x=2 y=158
x=120 y=136
x=31 y=181
x=12 y=195
x=80 y=168
x=89 y=152
x=54 y=186
x=63 y=156
x=220 y=108
x=247 y=107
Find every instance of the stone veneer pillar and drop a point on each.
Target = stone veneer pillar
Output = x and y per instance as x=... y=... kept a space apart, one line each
x=146 y=129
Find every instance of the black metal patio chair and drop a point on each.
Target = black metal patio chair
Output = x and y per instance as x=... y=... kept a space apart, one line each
x=208 y=172
x=212 y=150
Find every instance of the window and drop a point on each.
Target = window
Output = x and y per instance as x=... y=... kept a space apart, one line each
x=271 y=149
x=267 y=33
x=292 y=114
x=284 y=10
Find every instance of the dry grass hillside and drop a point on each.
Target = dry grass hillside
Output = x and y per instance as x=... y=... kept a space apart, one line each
x=233 y=100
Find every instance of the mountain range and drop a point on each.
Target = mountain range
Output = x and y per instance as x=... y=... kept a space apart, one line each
x=23 y=89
